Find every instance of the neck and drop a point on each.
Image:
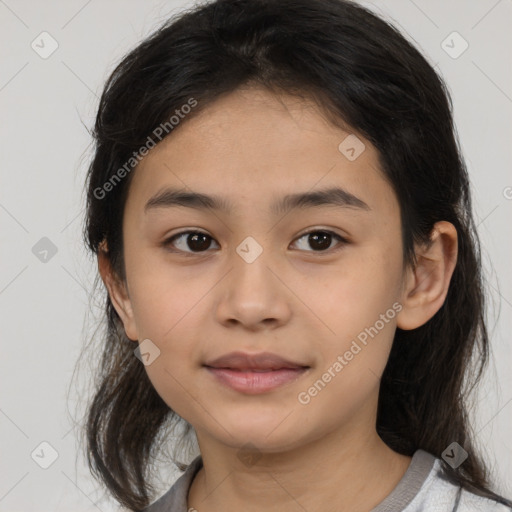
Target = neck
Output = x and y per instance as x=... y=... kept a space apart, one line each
x=349 y=472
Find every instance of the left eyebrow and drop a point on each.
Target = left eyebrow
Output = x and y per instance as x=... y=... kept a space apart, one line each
x=334 y=196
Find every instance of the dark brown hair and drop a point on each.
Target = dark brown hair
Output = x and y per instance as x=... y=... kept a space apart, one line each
x=364 y=74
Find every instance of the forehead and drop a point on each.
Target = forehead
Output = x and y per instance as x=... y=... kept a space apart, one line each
x=252 y=146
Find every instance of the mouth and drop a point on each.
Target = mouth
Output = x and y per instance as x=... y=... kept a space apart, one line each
x=255 y=382
x=257 y=362
x=255 y=370
x=254 y=373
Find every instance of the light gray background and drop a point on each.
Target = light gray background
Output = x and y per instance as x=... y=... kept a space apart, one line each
x=45 y=151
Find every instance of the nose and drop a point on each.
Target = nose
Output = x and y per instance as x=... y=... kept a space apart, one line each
x=252 y=295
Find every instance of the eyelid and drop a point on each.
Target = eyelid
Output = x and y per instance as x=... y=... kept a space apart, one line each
x=342 y=240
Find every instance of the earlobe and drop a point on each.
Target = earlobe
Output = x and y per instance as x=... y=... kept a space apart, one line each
x=427 y=284
x=117 y=292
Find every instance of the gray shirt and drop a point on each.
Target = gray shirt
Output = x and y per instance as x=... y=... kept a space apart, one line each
x=422 y=488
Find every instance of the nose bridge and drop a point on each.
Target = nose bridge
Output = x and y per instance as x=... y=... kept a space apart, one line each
x=252 y=293
x=251 y=275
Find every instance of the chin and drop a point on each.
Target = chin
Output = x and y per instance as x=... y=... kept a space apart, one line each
x=265 y=431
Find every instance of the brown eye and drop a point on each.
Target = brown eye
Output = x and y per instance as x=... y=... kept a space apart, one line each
x=190 y=241
x=320 y=240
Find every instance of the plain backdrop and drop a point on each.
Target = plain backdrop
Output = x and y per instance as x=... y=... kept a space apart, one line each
x=46 y=274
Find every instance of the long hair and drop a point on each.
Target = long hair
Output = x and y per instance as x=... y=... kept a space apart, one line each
x=363 y=74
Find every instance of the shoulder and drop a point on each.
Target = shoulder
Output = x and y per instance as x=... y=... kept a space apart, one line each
x=439 y=494
x=470 y=502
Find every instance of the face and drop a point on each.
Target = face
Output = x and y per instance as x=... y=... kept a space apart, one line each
x=318 y=283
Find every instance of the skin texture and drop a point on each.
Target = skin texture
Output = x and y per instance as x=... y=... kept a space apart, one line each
x=253 y=147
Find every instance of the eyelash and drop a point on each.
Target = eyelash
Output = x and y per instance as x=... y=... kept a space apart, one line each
x=169 y=241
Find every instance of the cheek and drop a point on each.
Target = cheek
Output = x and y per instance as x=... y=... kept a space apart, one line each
x=169 y=306
x=359 y=306
x=351 y=361
x=163 y=294
x=167 y=310
x=353 y=294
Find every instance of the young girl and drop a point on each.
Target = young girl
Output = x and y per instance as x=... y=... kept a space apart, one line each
x=283 y=223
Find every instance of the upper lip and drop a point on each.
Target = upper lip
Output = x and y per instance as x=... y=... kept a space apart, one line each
x=247 y=361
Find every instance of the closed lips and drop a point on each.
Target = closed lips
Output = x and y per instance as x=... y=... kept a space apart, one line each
x=256 y=370
x=257 y=362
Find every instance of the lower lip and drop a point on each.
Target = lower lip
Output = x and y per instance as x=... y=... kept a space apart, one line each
x=256 y=382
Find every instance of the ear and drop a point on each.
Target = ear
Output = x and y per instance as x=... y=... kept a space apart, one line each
x=426 y=286
x=118 y=293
